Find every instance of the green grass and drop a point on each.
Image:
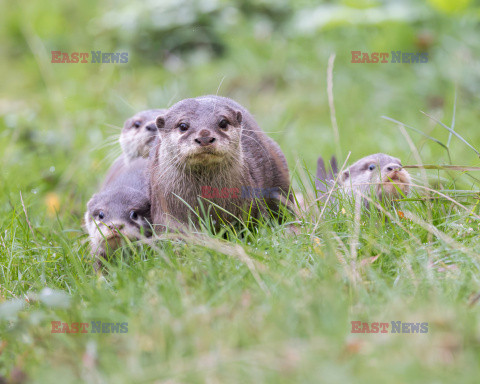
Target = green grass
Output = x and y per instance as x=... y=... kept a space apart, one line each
x=271 y=306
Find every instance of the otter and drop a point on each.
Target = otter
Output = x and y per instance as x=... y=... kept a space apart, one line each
x=212 y=150
x=139 y=135
x=121 y=209
x=381 y=172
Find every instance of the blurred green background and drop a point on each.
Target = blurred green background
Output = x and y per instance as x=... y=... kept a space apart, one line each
x=271 y=56
x=58 y=125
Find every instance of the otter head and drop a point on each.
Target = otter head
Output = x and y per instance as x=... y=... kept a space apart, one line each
x=382 y=172
x=139 y=133
x=200 y=132
x=116 y=214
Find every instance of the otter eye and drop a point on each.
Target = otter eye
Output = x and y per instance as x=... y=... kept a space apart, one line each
x=223 y=123
x=101 y=215
x=183 y=127
x=133 y=215
x=137 y=123
x=371 y=167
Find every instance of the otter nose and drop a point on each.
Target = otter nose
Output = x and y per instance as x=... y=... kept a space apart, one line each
x=204 y=141
x=152 y=127
x=392 y=167
x=116 y=226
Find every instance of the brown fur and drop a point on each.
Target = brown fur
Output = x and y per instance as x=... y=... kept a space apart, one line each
x=386 y=174
x=138 y=137
x=240 y=156
x=139 y=134
x=125 y=193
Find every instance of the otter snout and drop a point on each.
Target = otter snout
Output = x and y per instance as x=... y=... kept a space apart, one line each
x=151 y=126
x=391 y=167
x=111 y=229
x=205 y=138
x=116 y=226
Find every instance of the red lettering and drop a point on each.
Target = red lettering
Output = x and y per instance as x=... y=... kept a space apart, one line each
x=356 y=326
x=206 y=192
x=215 y=193
x=365 y=328
x=384 y=56
x=365 y=58
x=55 y=327
x=384 y=327
x=56 y=56
x=225 y=193
x=65 y=58
x=355 y=56
x=65 y=328
x=234 y=193
x=375 y=57
x=83 y=327
x=75 y=57
x=74 y=328
x=84 y=57
x=374 y=328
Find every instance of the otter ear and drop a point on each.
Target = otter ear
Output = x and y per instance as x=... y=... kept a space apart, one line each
x=345 y=176
x=239 y=117
x=160 y=122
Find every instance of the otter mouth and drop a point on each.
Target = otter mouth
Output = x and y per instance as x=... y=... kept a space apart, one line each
x=394 y=184
x=399 y=176
x=115 y=239
x=205 y=156
x=113 y=235
x=150 y=138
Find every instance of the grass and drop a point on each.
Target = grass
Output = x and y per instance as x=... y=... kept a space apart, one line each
x=268 y=306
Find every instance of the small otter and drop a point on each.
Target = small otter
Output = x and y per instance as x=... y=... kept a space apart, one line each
x=120 y=209
x=139 y=133
x=382 y=172
x=214 y=143
x=138 y=137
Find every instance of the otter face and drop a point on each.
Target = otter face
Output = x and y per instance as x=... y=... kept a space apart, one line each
x=115 y=214
x=383 y=172
x=198 y=132
x=139 y=133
